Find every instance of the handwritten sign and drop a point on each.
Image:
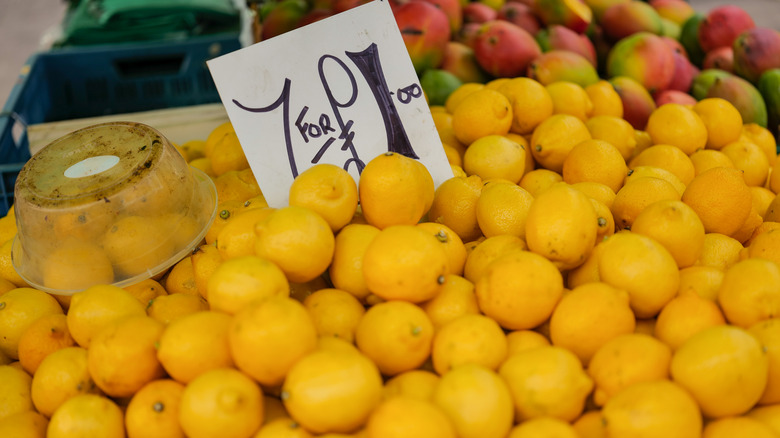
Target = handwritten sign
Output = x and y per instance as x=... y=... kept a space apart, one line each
x=341 y=90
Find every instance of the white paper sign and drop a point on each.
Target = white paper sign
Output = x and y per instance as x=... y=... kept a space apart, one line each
x=341 y=90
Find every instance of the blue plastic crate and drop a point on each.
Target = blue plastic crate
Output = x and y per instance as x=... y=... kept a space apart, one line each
x=115 y=79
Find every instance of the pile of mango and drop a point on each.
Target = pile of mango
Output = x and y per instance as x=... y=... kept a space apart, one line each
x=674 y=52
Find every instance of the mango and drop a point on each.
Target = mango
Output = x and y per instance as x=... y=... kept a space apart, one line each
x=573 y=14
x=284 y=17
x=769 y=87
x=676 y=11
x=703 y=81
x=459 y=59
x=721 y=58
x=562 y=65
x=645 y=58
x=521 y=15
x=599 y=6
x=722 y=25
x=504 y=50
x=689 y=38
x=743 y=95
x=684 y=72
x=637 y=101
x=557 y=37
x=625 y=19
x=756 y=51
x=425 y=30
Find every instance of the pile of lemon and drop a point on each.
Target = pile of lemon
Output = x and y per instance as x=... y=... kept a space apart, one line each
x=577 y=277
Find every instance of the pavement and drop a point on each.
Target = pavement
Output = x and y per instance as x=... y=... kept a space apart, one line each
x=29 y=25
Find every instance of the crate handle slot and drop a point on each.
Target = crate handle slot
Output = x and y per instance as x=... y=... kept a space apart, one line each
x=139 y=67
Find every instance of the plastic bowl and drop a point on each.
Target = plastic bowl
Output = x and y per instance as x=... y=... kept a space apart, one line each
x=113 y=203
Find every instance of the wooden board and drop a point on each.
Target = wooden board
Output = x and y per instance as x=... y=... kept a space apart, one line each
x=178 y=125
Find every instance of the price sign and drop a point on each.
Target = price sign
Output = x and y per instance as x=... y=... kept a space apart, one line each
x=341 y=90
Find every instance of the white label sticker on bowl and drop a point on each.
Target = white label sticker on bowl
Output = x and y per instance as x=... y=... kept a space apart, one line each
x=91 y=166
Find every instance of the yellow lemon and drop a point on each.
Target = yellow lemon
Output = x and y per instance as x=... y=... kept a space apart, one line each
x=402 y=417
x=531 y=103
x=27 y=424
x=722 y=120
x=136 y=244
x=469 y=339
x=287 y=233
x=737 y=426
x=153 y=411
x=705 y=281
x=44 y=336
x=122 y=357
x=626 y=360
x=654 y=408
x=503 y=208
x=674 y=225
x=221 y=402
x=768 y=334
x=521 y=340
x=87 y=415
x=519 y=280
x=61 y=375
x=457 y=96
x=417 y=384
x=19 y=309
x=76 y=265
x=555 y=137
x=642 y=267
x=404 y=262
x=242 y=280
x=750 y=292
x=268 y=337
x=480 y=113
x=705 y=159
x=595 y=161
x=615 y=131
x=394 y=190
x=453 y=245
x=606 y=101
x=750 y=159
x=237 y=237
x=16 y=391
x=666 y=157
x=329 y=190
x=195 y=343
x=454 y=205
x=677 y=125
x=456 y=298
x=98 y=306
x=723 y=368
x=530 y=375
x=351 y=381
x=485 y=251
x=562 y=226
x=543 y=426
x=495 y=156
x=684 y=316
x=588 y=317
x=636 y=195
x=167 y=308
x=539 y=180
x=346 y=269
x=396 y=335
x=334 y=312
x=476 y=400
x=570 y=98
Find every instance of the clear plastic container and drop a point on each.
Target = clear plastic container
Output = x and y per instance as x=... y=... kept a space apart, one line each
x=113 y=203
